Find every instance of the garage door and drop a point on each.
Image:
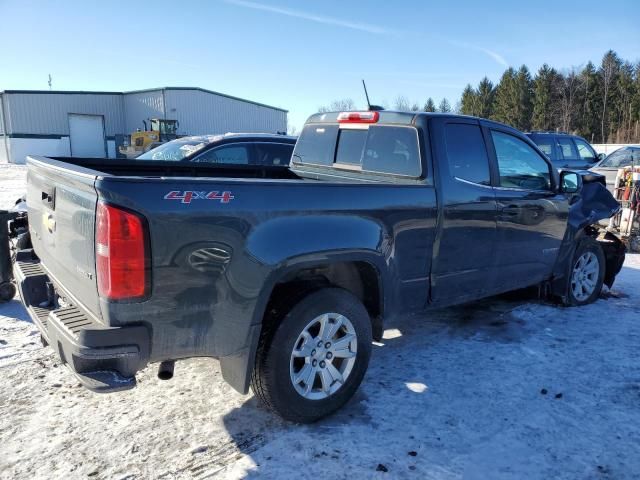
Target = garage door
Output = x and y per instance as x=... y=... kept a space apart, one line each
x=87 y=135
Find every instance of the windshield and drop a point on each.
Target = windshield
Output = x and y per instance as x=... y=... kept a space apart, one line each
x=174 y=151
x=622 y=158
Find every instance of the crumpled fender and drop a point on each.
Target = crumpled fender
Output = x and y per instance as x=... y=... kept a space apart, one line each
x=592 y=204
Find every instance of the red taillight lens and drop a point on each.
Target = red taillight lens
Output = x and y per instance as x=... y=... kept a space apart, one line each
x=121 y=256
x=358 y=117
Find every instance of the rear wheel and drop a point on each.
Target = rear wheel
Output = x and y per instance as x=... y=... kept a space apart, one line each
x=586 y=275
x=311 y=363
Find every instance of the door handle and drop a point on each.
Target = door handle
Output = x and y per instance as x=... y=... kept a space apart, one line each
x=511 y=210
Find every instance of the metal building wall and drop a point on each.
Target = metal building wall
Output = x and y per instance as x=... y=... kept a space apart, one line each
x=201 y=112
x=1 y=117
x=4 y=149
x=140 y=106
x=46 y=113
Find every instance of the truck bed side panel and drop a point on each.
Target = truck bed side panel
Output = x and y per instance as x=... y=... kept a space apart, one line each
x=211 y=259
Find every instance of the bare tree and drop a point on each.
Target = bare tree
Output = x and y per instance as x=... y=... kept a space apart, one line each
x=415 y=107
x=342 y=105
x=568 y=87
x=401 y=103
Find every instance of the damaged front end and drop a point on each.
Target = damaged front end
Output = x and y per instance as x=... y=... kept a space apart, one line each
x=590 y=205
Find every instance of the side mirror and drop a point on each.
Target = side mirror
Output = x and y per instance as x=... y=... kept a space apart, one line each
x=601 y=156
x=570 y=182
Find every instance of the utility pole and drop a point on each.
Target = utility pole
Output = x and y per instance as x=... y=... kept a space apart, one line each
x=49 y=82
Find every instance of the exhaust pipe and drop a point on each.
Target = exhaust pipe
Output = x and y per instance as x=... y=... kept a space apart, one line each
x=165 y=370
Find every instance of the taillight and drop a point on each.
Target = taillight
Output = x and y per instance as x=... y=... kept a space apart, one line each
x=358 y=117
x=121 y=254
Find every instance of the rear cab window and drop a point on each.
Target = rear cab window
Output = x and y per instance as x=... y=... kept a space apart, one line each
x=466 y=153
x=375 y=148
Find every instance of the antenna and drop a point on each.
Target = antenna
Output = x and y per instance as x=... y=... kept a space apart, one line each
x=373 y=108
x=49 y=82
x=364 y=85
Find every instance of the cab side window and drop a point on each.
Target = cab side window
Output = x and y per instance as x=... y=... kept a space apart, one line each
x=520 y=166
x=466 y=153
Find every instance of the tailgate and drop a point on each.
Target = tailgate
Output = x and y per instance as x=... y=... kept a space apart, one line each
x=61 y=202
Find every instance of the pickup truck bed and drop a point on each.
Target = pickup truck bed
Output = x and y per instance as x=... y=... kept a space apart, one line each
x=138 y=262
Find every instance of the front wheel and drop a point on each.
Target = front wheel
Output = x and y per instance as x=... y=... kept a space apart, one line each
x=586 y=275
x=311 y=363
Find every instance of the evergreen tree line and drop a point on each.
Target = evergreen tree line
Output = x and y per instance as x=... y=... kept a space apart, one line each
x=602 y=103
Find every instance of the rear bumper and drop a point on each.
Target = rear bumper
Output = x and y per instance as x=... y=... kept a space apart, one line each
x=105 y=359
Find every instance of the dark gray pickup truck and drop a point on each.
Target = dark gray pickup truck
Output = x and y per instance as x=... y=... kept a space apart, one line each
x=286 y=274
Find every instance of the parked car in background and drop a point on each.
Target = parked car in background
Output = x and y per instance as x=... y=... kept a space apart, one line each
x=230 y=148
x=565 y=150
x=623 y=157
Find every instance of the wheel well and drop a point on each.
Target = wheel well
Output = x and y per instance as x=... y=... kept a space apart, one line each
x=614 y=252
x=359 y=278
x=613 y=249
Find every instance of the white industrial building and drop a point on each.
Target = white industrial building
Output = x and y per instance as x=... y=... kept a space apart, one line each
x=91 y=124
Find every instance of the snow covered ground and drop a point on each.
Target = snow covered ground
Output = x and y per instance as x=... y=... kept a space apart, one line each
x=500 y=389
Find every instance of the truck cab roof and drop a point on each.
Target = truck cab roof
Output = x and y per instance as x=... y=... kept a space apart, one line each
x=401 y=117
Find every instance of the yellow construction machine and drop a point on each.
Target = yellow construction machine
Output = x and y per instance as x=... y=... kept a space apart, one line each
x=141 y=141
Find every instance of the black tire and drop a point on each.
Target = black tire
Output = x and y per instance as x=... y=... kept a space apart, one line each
x=585 y=246
x=271 y=381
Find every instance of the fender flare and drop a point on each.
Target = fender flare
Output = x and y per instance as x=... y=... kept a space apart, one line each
x=237 y=369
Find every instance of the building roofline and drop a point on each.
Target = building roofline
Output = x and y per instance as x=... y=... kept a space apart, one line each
x=87 y=92
x=64 y=92
x=208 y=91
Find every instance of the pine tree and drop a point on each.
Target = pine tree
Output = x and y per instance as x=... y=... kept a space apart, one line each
x=591 y=103
x=601 y=104
x=486 y=98
x=544 y=98
x=430 y=106
x=608 y=73
x=524 y=86
x=469 y=101
x=506 y=104
x=444 y=106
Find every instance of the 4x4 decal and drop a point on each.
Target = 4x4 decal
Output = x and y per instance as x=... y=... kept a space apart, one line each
x=188 y=195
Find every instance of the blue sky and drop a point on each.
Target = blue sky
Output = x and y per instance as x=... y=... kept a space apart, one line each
x=299 y=55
